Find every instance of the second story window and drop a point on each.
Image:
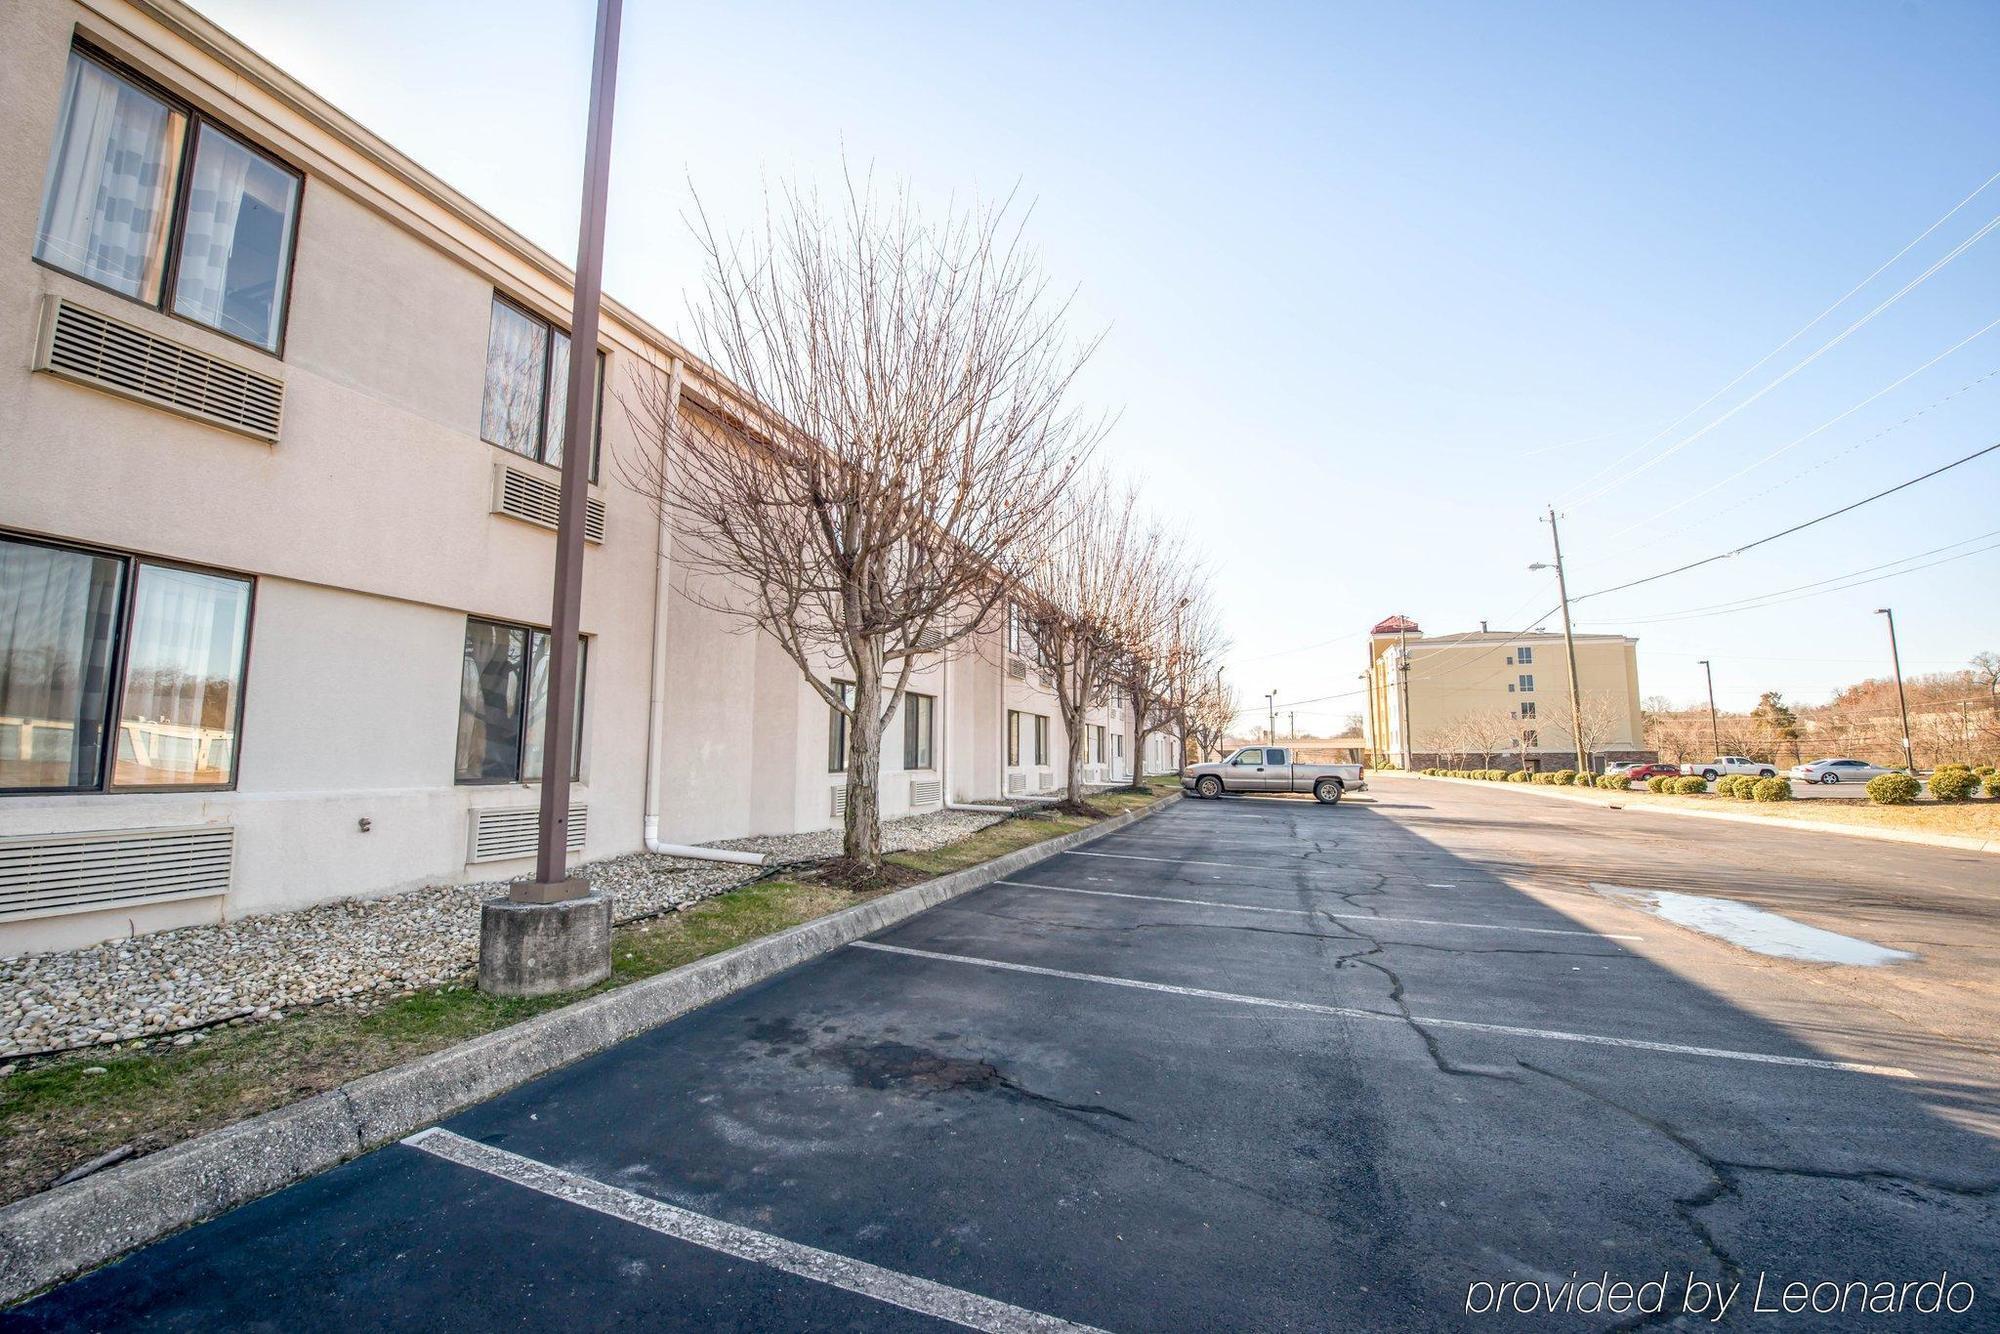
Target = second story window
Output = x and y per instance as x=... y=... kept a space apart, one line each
x=526 y=405
x=147 y=200
x=1524 y=656
x=1527 y=681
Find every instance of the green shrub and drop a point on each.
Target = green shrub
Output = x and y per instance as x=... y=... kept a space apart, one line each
x=1772 y=789
x=1614 y=782
x=1984 y=770
x=1563 y=777
x=1519 y=776
x=1953 y=783
x=1541 y=779
x=1725 y=786
x=1691 y=785
x=1496 y=775
x=1893 y=789
x=1993 y=785
x=1658 y=783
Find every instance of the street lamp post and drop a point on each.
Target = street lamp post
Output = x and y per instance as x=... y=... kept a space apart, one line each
x=1180 y=687
x=1902 y=704
x=1271 y=704
x=551 y=933
x=1569 y=645
x=1714 y=732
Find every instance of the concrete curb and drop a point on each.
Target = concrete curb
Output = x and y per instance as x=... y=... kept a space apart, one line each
x=60 y=1233
x=1956 y=842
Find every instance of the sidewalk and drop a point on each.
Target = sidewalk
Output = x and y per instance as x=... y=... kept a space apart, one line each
x=1650 y=802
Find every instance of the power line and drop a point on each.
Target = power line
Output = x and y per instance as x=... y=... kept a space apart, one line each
x=1775 y=596
x=1619 y=462
x=1787 y=532
x=1800 y=440
x=1815 y=355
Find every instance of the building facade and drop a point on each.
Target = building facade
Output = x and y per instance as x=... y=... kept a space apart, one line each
x=282 y=419
x=1499 y=700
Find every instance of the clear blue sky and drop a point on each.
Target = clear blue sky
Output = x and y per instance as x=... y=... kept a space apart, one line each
x=1381 y=281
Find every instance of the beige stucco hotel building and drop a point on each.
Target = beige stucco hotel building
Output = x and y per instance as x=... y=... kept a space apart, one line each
x=1498 y=699
x=276 y=484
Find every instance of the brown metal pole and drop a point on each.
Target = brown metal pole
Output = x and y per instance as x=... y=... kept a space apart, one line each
x=1569 y=649
x=552 y=882
x=1902 y=704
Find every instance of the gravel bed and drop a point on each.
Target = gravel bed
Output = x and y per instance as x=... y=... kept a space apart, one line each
x=350 y=951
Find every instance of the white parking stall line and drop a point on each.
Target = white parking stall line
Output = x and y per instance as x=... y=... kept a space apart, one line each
x=1348 y=1012
x=1314 y=912
x=1173 y=861
x=839 y=1271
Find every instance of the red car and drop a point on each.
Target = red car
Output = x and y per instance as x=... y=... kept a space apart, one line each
x=1639 y=773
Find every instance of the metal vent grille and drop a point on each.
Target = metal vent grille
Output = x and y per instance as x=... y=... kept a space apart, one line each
x=1045 y=681
x=1045 y=781
x=926 y=791
x=1017 y=670
x=42 y=875
x=838 y=802
x=1017 y=783
x=520 y=494
x=503 y=832
x=89 y=347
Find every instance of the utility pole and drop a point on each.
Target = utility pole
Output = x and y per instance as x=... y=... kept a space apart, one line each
x=1569 y=644
x=1896 y=658
x=1403 y=691
x=1714 y=732
x=551 y=933
x=1292 y=725
x=1180 y=687
x=1271 y=703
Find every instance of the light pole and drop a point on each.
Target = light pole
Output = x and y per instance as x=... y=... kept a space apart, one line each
x=1271 y=703
x=552 y=934
x=1569 y=644
x=1896 y=660
x=1180 y=690
x=1714 y=733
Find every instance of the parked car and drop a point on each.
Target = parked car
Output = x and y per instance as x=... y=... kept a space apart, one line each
x=1730 y=764
x=1639 y=773
x=1836 y=771
x=1270 y=769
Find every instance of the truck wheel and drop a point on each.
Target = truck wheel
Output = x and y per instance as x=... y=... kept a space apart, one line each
x=1767 y=773
x=1709 y=774
x=1327 y=791
x=1210 y=786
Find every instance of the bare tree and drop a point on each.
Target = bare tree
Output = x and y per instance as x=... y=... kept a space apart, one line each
x=1083 y=606
x=1600 y=718
x=1489 y=732
x=895 y=427
x=1212 y=709
x=1173 y=627
x=1986 y=671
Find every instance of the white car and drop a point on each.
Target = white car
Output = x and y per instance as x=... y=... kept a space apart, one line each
x=1730 y=764
x=1836 y=771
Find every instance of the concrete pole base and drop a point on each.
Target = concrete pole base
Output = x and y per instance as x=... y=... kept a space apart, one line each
x=540 y=949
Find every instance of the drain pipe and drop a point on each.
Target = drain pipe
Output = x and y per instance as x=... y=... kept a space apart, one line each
x=944 y=694
x=656 y=702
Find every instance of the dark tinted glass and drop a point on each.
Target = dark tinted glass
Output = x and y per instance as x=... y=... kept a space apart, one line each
x=58 y=619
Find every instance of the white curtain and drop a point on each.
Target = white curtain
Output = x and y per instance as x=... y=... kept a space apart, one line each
x=105 y=201
x=182 y=674
x=232 y=271
x=516 y=350
x=56 y=609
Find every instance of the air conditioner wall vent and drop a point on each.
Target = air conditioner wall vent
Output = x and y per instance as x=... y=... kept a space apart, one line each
x=501 y=833
x=531 y=498
x=91 y=348
x=43 y=875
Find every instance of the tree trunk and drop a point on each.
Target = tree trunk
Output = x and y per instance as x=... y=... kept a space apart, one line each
x=862 y=840
x=1140 y=735
x=1073 y=730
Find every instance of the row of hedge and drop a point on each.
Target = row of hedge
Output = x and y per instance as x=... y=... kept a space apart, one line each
x=1950 y=783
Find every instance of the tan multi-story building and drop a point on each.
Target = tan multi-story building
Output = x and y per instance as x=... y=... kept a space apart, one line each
x=1499 y=700
x=277 y=475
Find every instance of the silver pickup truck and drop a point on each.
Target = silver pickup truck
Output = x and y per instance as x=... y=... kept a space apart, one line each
x=1270 y=769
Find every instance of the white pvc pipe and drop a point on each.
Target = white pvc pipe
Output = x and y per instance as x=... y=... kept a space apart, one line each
x=978 y=810
x=699 y=854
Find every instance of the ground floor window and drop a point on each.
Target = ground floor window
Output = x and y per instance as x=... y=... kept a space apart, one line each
x=836 y=729
x=1013 y=738
x=919 y=713
x=117 y=672
x=503 y=700
x=1041 y=739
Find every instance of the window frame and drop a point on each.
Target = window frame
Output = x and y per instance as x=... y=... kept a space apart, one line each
x=1527 y=683
x=114 y=696
x=176 y=231
x=527 y=700
x=1525 y=655
x=928 y=713
x=1041 y=739
x=1013 y=738
x=837 y=728
x=528 y=312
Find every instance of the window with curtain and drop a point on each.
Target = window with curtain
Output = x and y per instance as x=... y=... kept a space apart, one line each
x=1041 y=739
x=109 y=203
x=503 y=700
x=174 y=708
x=836 y=730
x=526 y=403
x=1013 y=739
x=919 y=712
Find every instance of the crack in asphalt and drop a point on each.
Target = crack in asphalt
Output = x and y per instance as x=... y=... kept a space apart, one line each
x=1120 y=927
x=1436 y=1052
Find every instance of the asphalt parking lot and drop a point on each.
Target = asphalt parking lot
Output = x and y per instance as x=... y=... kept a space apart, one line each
x=1248 y=1064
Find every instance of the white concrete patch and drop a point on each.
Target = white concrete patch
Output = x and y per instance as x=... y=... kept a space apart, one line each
x=883 y=1285
x=1337 y=916
x=1347 y=1012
